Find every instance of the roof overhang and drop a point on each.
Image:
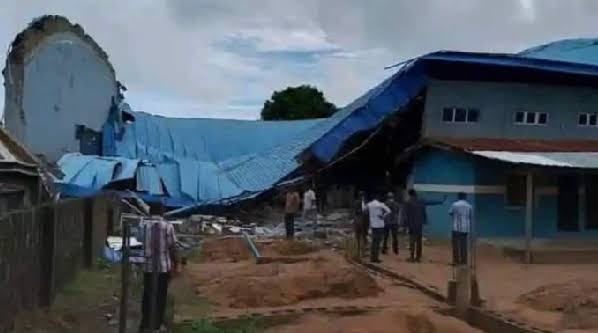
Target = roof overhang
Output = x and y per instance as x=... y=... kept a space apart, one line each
x=575 y=154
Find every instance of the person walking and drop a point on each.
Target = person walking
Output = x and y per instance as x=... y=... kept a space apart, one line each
x=376 y=211
x=391 y=224
x=415 y=218
x=360 y=222
x=291 y=207
x=161 y=260
x=461 y=214
x=310 y=211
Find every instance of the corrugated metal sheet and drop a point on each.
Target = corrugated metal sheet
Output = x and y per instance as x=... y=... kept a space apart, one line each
x=564 y=160
x=578 y=50
x=471 y=144
x=390 y=96
x=219 y=161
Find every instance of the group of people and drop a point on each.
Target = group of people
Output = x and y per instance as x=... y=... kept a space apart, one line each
x=385 y=216
x=292 y=207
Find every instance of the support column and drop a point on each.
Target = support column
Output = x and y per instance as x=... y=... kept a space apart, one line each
x=529 y=217
x=581 y=203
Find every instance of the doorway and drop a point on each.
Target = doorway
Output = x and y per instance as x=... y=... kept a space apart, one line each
x=568 y=203
x=591 y=200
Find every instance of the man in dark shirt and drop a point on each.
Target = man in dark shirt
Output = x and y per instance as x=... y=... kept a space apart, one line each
x=414 y=217
x=391 y=224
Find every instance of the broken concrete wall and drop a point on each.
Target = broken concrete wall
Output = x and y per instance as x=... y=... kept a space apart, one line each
x=56 y=78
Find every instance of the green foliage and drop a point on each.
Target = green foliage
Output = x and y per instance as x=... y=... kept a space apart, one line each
x=204 y=326
x=294 y=103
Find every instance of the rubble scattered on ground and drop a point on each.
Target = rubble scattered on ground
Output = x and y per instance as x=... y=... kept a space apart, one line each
x=220 y=225
x=577 y=300
x=270 y=285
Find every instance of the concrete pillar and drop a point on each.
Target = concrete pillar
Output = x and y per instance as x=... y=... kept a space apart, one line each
x=529 y=217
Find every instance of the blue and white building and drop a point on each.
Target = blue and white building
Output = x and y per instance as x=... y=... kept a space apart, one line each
x=517 y=132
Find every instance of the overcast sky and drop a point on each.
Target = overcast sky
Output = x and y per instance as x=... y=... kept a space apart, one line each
x=223 y=58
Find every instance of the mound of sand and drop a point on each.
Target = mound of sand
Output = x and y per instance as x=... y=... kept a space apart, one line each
x=288 y=284
x=286 y=248
x=387 y=321
x=576 y=300
x=224 y=250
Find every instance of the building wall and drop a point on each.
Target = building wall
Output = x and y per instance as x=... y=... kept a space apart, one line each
x=65 y=83
x=498 y=102
x=439 y=174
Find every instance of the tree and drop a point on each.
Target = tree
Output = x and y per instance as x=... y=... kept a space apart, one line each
x=293 y=103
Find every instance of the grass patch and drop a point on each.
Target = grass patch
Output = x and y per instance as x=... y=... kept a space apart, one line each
x=247 y=325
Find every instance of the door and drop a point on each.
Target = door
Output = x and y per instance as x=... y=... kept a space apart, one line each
x=592 y=202
x=568 y=203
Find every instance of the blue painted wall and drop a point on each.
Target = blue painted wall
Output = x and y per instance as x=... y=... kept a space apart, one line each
x=493 y=217
x=497 y=103
x=65 y=83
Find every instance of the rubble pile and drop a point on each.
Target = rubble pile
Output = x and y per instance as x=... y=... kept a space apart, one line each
x=214 y=225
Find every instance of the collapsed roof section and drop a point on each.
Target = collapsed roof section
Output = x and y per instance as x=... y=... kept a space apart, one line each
x=210 y=161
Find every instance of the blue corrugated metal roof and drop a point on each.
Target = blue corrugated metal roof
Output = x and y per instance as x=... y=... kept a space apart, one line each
x=579 y=50
x=371 y=109
x=215 y=161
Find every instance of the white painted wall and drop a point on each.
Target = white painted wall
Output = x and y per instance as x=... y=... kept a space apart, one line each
x=66 y=83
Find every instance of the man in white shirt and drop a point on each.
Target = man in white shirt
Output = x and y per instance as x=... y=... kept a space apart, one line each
x=377 y=212
x=461 y=214
x=309 y=207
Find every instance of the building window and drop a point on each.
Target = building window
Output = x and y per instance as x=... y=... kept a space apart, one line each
x=516 y=191
x=531 y=118
x=460 y=115
x=587 y=119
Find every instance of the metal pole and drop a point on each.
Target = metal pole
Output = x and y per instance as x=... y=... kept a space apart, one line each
x=124 y=294
x=529 y=217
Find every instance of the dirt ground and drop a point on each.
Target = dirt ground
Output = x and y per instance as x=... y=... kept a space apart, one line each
x=410 y=320
x=326 y=279
x=503 y=283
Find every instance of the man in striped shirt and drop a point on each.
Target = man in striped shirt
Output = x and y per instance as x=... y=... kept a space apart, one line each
x=159 y=242
x=461 y=214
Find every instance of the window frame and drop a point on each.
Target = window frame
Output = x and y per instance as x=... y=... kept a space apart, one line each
x=453 y=118
x=536 y=122
x=588 y=117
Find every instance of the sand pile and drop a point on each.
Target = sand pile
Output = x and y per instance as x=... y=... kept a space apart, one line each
x=286 y=248
x=281 y=284
x=387 y=321
x=577 y=300
x=224 y=250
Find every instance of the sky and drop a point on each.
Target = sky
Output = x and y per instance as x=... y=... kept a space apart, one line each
x=224 y=58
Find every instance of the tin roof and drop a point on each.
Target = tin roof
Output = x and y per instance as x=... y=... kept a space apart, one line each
x=518 y=145
x=580 y=154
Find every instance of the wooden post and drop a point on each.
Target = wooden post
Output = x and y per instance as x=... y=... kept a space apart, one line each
x=124 y=291
x=529 y=217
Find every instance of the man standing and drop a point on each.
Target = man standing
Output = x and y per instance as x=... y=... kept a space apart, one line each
x=160 y=260
x=360 y=222
x=310 y=211
x=376 y=211
x=461 y=214
x=391 y=224
x=414 y=218
x=291 y=208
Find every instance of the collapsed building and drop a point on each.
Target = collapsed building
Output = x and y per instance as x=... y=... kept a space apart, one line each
x=518 y=132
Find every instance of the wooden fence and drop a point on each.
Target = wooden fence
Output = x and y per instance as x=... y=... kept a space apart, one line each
x=42 y=248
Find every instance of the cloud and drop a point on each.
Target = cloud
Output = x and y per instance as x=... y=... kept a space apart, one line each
x=225 y=57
